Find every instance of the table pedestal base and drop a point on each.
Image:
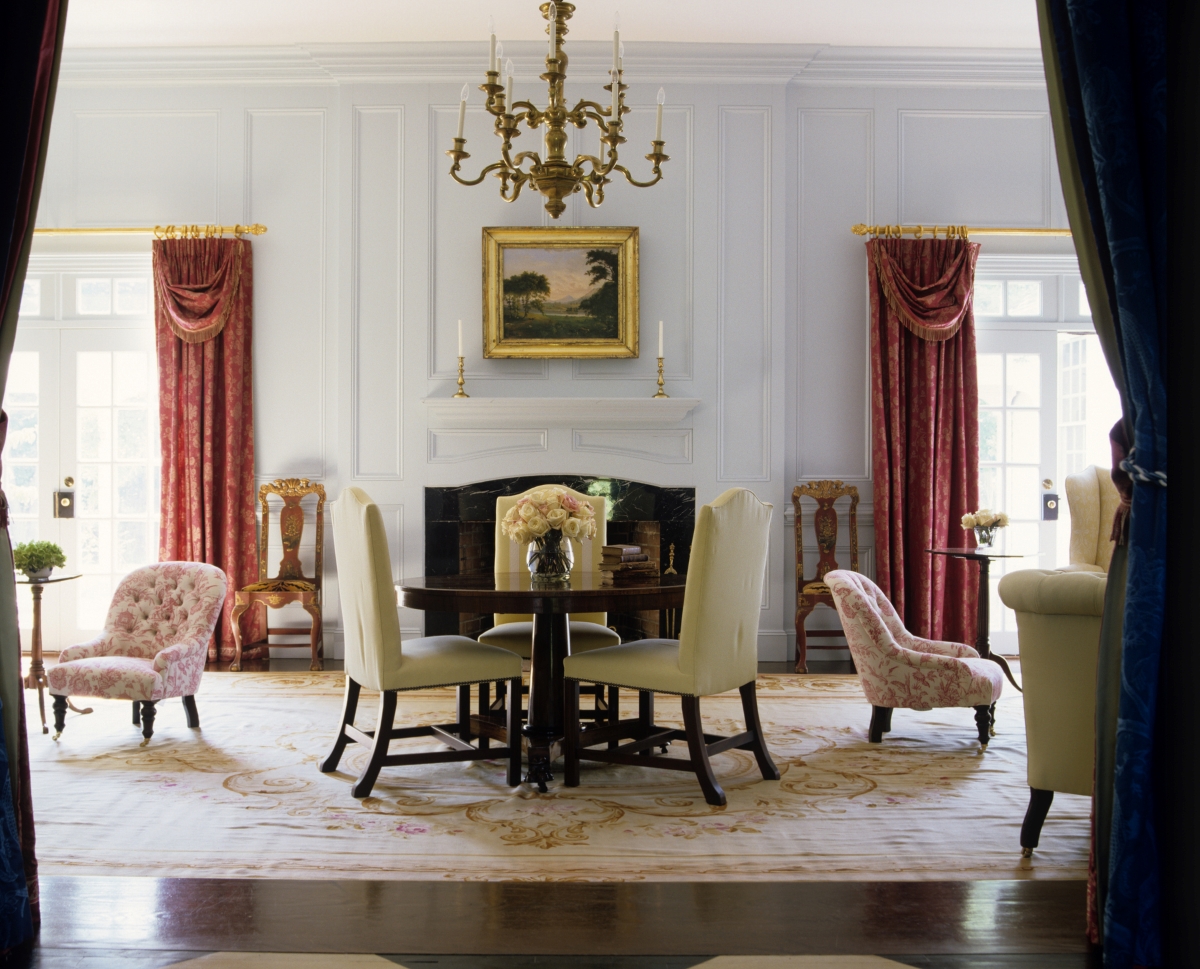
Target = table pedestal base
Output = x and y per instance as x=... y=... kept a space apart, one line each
x=544 y=728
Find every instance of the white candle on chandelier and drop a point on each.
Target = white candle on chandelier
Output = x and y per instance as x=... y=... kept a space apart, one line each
x=621 y=56
x=660 y=353
x=492 y=57
x=460 y=353
x=508 y=71
x=616 y=42
x=662 y=99
x=616 y=93
x=462 y=110
x=552 y=13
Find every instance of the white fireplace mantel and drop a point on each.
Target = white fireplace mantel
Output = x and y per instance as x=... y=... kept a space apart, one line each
x=557 y=411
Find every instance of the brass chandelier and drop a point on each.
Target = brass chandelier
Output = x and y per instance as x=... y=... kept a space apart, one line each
x=554 y=176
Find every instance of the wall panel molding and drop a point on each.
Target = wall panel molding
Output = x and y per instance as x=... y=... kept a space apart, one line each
x=447 y=446
x=744 y=293
x=664 y=447
x=377 y=292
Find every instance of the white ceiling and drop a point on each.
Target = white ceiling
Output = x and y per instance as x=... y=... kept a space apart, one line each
x=867 y=23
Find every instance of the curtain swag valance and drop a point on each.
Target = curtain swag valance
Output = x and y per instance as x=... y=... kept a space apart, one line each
x=935 y=311
x=196 y=283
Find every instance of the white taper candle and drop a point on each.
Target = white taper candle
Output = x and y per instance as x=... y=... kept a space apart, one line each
x=460 y=353
x=553 y=15
x=660 y=353
x=616 y=49
x=662 y=97
x=462 y=110
x=508 y=99
x=492 y=54
x=616 y=94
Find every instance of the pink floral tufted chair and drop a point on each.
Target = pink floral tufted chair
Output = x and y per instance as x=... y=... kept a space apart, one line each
x=898 y=669
x=154 y=644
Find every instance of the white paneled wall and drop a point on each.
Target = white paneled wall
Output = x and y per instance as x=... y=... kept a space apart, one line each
x=373 y=252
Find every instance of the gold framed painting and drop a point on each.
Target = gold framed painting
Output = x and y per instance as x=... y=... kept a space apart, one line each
x=568 y=292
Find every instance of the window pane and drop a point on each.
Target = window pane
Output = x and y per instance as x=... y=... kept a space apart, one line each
x=1024 y=498
x=130 y=296
x=20 y=531
x=1024 y=297
x=133 y=435
x=21 y=487
x=130 y=377
x=94 y=598
x=31 y=298
x=989 y=488
x=23 y=379
x=1023 y=539
x=1024 y=440
x=22 y=443
x=131 y=489
x=93 y=379
x=990 y=367
x=93 y=494
x=989 y=297
x=1085 y=308
x=989 y=436
x=93 y=297
x=94 y=429
x=131 y=545
x=93 y=546
x=1024 y=380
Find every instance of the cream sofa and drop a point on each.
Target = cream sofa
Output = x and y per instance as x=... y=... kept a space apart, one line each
x=1093 y=499
x=1058 y=630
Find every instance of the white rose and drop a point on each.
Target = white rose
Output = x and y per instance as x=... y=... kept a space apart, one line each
x=521 y=536
x=538 y=526
x=572 y=528
x=528 y=511
x=556 y=517
x=968 y=521
x=538 y=497
x=590 y=525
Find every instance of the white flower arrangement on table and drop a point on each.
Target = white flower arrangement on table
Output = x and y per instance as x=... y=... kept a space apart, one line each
x=536 y=514
x=985 y=518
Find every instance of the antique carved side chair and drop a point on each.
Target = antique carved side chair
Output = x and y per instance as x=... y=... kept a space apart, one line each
x=291 y=584
x=813 y=592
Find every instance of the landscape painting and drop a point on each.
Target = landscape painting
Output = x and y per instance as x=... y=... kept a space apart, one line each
x=560 y=292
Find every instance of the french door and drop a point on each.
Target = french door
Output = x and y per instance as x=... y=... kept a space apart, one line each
x=84 y=402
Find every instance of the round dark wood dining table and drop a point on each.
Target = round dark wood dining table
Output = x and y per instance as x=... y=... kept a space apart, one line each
x=550 y=606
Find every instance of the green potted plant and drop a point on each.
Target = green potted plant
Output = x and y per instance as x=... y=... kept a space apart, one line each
x=38 y=559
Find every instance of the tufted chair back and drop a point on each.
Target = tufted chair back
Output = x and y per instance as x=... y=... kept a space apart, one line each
x=161 y=605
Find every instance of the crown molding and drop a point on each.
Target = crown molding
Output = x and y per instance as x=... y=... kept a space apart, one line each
x=650 y=62
x=924 y=67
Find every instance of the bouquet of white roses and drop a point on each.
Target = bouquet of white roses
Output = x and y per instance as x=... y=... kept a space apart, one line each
x=985 y=518
x=537 y=513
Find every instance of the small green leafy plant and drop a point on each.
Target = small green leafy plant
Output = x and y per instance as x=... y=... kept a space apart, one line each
x=35 y=556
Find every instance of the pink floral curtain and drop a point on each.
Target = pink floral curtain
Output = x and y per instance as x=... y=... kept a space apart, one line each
x=202 y=314
x=925 y=429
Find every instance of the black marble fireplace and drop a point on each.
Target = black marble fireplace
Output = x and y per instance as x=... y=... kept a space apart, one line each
x=460 y=535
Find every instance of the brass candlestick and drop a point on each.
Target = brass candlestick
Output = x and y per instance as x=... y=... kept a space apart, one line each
x=661 y=392
x=461 y=392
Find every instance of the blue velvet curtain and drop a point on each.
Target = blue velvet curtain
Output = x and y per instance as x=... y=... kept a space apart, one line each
x=1112 y=56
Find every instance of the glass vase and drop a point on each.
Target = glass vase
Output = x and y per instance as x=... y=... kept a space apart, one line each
x=550 y=557
x=984 y=535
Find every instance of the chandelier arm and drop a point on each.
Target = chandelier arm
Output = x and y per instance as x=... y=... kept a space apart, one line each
x=518 y=182
x=579 y=114
x=482 y=175
x=633 y=181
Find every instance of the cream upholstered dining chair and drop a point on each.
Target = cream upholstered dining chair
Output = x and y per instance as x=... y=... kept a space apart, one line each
x=1093 y=500
x=376 y=659
x=717 y=650
x=1058 y=632
x=515 y=631
x=898 y=669
x=154 y=644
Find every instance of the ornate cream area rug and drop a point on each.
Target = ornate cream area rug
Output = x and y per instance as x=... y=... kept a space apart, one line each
x=242 y=796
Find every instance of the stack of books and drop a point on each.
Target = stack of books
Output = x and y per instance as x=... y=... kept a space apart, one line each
x=625 y=562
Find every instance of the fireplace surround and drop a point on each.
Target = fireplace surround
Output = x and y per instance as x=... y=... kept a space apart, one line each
x=460 y=532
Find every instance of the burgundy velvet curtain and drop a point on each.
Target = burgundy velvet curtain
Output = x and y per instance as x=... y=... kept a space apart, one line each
x=202 y=315
x=925 y=429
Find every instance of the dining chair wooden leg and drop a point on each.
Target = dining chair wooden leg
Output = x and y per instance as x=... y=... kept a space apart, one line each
x=485 y=706
x=614 y=712
x=514 y=730
x=1035 y=817
x=190 y=711
x=236 y=627
x=645 y=718
x=383 y=732
x=698 y=750
x=464 y=712
x=349 y=708
x=766 y=766
x=571 y=741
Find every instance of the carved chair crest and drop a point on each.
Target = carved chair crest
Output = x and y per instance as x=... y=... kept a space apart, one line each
x=825 y=522
x=291 y=530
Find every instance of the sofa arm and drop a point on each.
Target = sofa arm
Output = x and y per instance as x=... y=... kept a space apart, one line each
x=941 y=648
x=1054 y=593
x=95 y=647
x=190 y=650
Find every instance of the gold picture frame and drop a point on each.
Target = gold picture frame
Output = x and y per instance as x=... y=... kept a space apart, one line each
x=549 y=291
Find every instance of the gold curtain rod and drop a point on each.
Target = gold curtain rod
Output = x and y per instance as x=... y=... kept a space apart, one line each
x=949 y=231
x=161 y=231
